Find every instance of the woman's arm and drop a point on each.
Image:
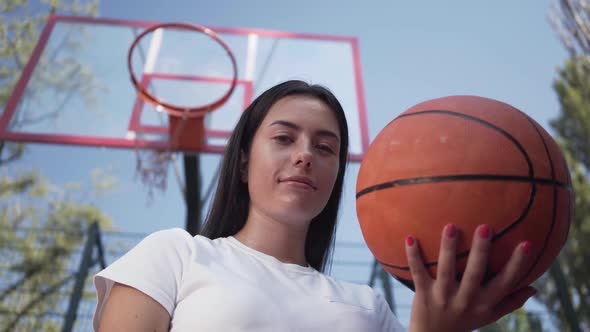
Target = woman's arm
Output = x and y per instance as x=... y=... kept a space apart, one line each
x=128 y=309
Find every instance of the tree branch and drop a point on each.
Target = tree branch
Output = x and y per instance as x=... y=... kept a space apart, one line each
x=36 y=301
x=11 y=158
x=29 y=273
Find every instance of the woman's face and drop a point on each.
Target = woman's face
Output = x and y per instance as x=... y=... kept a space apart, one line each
x=294 y=160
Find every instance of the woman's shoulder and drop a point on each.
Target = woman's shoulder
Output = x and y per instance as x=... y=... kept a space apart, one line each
x=169 y=235
x=180 y=241
x=175 y=237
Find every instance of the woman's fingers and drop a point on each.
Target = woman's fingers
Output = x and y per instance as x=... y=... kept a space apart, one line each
x=445 y=304
x=510 y=275
x=420 y=275
x=476 y=264
x=445 y=274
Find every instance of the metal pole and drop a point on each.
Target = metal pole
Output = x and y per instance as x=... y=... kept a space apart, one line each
x=378 y=272
x=565 y=299
x=81 y=275
x=385 y=278
x=192 y=175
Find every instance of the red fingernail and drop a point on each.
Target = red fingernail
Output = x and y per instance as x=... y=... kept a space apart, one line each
x=450 y=231
x=526 y=247
x=484 y=231
x=410 y=240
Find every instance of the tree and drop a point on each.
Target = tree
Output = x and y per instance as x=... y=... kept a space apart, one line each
x=20 y=27
x=520 y=320
x=571 y=19
x=565 y=289
x=41 y=225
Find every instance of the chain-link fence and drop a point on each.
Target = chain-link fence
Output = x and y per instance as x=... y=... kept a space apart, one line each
x=45 y=276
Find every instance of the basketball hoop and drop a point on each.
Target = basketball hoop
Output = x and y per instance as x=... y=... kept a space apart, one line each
x=186 y=128
x=185 y=124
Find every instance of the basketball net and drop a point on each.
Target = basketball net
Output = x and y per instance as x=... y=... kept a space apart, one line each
x=152 y=169
x=186 y=124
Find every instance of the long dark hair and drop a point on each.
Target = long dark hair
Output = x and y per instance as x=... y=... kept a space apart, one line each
x=229 y=210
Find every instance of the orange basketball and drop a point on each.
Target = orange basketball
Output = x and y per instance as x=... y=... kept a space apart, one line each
x=465 y=160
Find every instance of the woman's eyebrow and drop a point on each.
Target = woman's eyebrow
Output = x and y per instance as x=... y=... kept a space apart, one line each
x=320 y=132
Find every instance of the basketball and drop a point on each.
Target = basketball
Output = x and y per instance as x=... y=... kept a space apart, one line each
x=465 y=160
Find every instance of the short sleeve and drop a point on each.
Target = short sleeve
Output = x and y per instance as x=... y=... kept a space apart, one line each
x=385 y=317
x=154 y=266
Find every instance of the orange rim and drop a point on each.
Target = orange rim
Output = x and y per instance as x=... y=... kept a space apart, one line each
x=177 y=110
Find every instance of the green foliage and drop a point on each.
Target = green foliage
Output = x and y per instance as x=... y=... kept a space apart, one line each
x=567 y=284
x=20 y=27
x=565 y=289
x=42 y=225
x=58 y=74
x=103 y=182
x=573 y=123
x=574 y=258
x=9 y=186
x=42 y=230
x=518 y=321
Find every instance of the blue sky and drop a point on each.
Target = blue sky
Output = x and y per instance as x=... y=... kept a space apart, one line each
x=411 y=51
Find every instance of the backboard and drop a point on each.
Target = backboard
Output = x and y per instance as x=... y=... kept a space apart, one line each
x=76 y=88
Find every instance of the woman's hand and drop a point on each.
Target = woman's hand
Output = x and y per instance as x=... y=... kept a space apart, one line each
x=446 y=304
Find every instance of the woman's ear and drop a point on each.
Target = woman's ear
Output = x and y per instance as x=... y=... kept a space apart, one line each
x=244 y=166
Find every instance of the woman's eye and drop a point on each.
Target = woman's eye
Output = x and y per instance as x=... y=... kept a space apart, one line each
x=325 y=148
x=282 y=139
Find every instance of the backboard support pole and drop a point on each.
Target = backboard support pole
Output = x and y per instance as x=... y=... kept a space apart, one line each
x=193 y=185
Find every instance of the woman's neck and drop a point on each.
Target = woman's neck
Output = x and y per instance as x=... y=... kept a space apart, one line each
x=283 y=240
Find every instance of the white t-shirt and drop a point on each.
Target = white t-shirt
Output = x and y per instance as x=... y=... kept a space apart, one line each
x=223 y=285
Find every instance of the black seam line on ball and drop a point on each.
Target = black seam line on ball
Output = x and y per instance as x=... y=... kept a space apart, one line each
x=460 y=177
x=496 y=236
x=553 y=212
x=485 y=123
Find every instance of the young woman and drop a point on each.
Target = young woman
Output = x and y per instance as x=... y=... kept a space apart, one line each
x=257 y=266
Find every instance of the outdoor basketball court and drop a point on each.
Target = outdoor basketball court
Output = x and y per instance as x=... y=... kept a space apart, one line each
x=89 y=111
x=107 y=111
